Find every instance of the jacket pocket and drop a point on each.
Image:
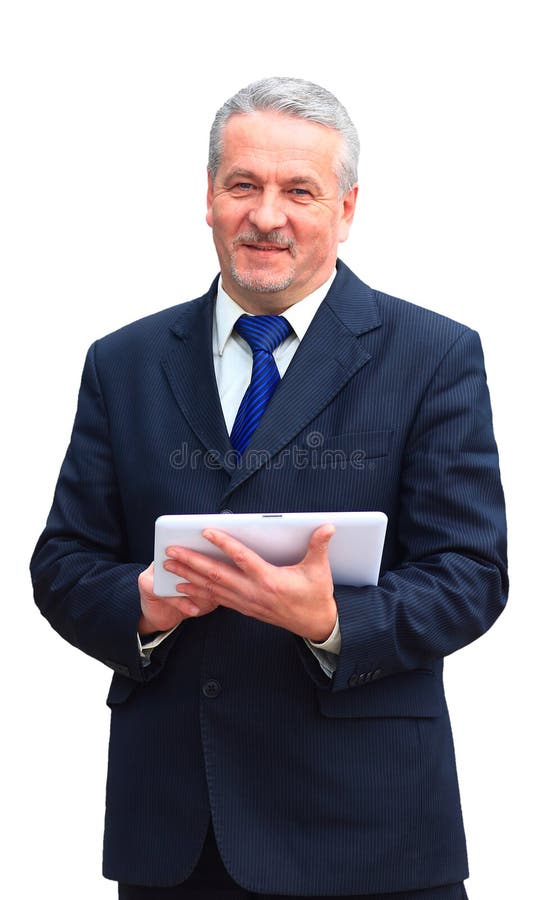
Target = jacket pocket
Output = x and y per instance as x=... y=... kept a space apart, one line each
x=364 y=445
x=121 y=688
x=419 y=693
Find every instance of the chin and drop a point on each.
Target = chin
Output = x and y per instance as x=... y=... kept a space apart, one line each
x=261 y=283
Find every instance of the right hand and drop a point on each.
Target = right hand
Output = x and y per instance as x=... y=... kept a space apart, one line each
x=164 y=613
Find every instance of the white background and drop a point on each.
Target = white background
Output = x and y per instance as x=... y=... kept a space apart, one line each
x=106 y=108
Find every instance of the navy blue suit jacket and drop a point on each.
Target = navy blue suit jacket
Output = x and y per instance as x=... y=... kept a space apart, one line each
x=315 y=786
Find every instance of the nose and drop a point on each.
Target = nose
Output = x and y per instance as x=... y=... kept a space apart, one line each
x=266 y=214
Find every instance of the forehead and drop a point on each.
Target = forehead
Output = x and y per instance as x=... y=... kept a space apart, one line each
x=270 y=138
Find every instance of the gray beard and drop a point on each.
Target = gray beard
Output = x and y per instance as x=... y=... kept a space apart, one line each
x=261 y=283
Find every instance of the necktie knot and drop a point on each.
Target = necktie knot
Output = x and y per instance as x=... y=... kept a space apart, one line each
x=263 y=332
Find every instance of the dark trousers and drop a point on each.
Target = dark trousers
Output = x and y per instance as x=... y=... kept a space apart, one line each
x=211 y=881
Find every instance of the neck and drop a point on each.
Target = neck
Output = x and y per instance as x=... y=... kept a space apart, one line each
x=268 y=303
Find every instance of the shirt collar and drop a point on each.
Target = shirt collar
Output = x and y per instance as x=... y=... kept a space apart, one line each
x=299 y=315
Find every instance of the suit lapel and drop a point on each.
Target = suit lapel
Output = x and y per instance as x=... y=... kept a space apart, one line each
x=190 y=372
x=329 y=355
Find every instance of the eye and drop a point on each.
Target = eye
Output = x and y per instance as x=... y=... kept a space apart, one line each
x=243 y=186
x=300 y=192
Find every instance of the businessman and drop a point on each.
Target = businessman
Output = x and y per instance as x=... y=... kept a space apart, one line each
x=274 y=733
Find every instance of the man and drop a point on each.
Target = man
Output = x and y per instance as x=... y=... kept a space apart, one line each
x=274 y=733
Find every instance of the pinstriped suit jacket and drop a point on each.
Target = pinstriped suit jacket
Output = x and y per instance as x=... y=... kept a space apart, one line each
x=315 y=786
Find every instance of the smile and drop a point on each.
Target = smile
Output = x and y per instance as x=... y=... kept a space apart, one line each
x=264 y=248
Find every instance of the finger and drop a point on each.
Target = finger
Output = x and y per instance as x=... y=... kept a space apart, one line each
x=201 y=572
x=220 y=583
x=243 y=558
x=198 y=568
x=209 y=593
x=192 y=558
x=210 y=586
x=154 y=605
x=188 y=605
x=184 y=604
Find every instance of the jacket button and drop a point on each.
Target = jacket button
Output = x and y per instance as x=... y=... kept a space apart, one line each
x=211 y=688
x=226 y=512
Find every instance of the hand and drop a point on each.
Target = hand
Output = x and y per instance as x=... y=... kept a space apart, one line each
x=164 y=613
x=299 y=598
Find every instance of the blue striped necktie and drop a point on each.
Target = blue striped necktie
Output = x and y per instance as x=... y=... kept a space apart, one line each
x=263 y=334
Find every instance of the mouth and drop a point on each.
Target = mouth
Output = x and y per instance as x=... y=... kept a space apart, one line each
x=266 y=248
x=259 y=244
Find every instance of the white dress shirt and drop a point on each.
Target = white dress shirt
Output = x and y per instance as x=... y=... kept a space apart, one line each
x=233 y=363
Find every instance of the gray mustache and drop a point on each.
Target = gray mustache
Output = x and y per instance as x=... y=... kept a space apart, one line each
x=268 y=237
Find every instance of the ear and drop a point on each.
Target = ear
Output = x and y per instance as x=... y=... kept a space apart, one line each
x=349 y=201
x=209 y=201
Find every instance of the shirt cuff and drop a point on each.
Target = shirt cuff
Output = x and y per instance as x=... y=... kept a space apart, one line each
x=145 y=649
x=327 y=652
x=333 y=642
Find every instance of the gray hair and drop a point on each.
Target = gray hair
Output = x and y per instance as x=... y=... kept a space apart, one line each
x=300 y=99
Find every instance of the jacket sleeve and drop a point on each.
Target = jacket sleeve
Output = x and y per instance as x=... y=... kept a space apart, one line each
x=450 y=583
x=84 y=582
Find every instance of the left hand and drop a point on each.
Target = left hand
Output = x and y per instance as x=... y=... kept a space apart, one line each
x=299 y=598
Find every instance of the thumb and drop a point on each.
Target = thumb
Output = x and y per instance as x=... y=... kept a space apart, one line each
x=318 y=545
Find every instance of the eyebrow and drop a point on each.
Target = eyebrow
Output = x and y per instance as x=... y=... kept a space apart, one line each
x=305 y=179
x=240 y=173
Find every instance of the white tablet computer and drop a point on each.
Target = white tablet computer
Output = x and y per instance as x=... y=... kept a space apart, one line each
x=355 y=548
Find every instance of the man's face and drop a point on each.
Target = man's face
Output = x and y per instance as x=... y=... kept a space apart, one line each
x=274 y=209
